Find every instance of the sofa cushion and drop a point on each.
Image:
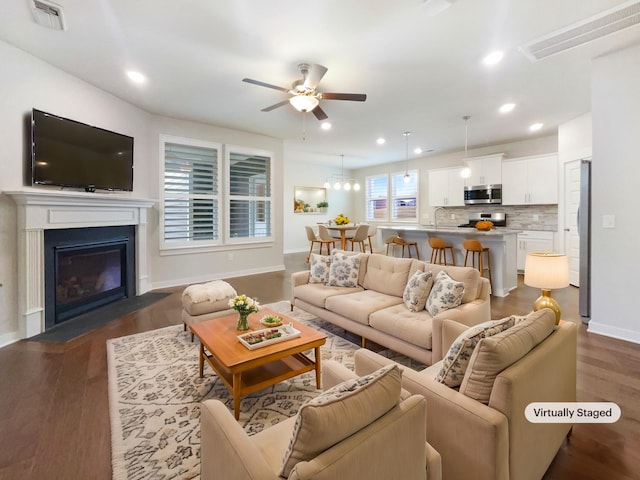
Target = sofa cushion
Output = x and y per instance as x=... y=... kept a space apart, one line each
x=344 y=270
x=340 y=412
x=359 y=306
x=455 y=362
x=445 y=294
x=318 y=293
x=412 y=327
x=417 y=291
x=387 y=274
x=319 y=266
x=470 y=277
x=493 y=354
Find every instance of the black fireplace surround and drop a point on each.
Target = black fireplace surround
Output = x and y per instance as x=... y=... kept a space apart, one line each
x=86 y=268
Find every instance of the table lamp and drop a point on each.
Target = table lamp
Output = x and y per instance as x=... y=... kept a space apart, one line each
x=547 y=271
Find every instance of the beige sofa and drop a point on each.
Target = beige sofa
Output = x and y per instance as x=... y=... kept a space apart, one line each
x=360 y=430
x=495 y=441
x=374 y=309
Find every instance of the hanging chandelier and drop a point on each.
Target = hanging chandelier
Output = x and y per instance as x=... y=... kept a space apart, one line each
x=340 y=182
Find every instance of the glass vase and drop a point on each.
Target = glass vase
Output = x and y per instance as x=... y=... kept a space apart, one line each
x=243 y=321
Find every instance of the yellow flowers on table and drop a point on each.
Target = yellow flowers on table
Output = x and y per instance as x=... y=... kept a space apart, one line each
x=341 y=220
x=244 y=306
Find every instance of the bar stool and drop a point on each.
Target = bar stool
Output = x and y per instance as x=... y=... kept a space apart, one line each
x=408 y=244
x=439 y=251
x=476 y=249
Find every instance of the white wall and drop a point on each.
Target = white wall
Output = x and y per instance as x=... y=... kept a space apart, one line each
x=27 y=82
x=299 y=173
x=615 y=168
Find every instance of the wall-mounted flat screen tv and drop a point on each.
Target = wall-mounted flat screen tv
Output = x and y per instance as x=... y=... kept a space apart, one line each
x=72 y=154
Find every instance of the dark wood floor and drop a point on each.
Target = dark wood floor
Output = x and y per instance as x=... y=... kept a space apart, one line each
x=54 y=419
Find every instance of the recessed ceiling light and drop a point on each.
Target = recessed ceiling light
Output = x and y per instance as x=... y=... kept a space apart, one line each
x=380 y=141
x=493 y=58
x=325 y=126
x=534 y=127
x=507 y=107
x=136 y=77
x=417 y=151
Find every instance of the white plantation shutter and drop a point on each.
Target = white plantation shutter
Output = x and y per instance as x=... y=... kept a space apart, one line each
x=376 y=194
x=404 y=196
x=191 y=193
x=250 y=195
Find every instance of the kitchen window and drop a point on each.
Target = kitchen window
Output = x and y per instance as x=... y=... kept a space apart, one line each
x=404 y=196
x=377 y=194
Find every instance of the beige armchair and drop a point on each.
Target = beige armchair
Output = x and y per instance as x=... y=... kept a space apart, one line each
x=391 y=447
x=494 y=441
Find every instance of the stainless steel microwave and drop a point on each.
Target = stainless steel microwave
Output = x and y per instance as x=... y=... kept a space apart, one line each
x=477 y=194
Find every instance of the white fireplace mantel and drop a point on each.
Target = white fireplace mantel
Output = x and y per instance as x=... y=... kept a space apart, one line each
x=43 y=209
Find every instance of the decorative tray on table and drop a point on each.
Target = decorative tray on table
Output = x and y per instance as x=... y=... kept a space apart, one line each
x=268 y=336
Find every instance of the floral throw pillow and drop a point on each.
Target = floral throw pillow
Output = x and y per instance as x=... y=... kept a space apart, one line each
x=319 y=266
x=344 y=270
x=417 y=291
x=445 y=294
x=456 y=361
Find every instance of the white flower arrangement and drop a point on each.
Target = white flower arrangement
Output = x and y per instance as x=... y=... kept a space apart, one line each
x=244 y=304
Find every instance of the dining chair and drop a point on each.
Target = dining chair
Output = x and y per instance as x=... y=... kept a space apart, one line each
x=326 y=238
x=360 y=235
x=313 y=238
x=373 y=231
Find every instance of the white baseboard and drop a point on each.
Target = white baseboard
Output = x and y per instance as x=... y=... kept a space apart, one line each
x=9 y=338
x=214 y=276
x=614 y=332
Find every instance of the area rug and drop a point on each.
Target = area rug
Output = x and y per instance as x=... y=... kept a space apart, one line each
x=155 y=394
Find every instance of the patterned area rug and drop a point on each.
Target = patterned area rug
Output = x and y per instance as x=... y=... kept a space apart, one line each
x=155 y=394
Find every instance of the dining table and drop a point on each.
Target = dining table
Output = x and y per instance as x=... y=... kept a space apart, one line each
x=343 y=229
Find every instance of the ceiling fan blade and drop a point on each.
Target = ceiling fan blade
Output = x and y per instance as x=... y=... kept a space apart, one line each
x=354 y=97
x=274 y=106
x=314 y=76
x=263 y=84
x=319 y=113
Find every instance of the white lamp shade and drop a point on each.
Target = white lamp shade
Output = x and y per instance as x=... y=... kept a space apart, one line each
x=546 y=270
x=304 y=103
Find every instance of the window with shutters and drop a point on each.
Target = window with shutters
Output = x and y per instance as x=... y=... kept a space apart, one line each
x=404 y=196
x=377 y=194
x=250 y=202
x=191 y=192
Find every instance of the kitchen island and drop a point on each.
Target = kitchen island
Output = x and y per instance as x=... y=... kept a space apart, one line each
x=502 y=244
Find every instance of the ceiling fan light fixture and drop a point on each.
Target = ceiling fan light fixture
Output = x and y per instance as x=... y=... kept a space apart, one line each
x=304 y=103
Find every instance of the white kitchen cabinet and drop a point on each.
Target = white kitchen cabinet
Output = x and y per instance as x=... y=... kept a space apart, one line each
x=485 y=170
x=446 y=187
x=532 y=241
x=530 y=181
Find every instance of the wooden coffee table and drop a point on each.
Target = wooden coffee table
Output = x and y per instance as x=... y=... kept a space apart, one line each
x=244 y=371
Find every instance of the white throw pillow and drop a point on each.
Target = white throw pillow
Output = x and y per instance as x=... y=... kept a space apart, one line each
x=445 y=294
x=344 y=270
x=456 y=361
x=417 y=291
x=319 y=266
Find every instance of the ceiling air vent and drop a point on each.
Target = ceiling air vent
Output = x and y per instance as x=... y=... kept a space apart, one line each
x=605 y=23
x=48 y=14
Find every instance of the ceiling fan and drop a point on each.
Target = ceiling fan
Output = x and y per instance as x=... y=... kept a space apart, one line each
x=304 y=96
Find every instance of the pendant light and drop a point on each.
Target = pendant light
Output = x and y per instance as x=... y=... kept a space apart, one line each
x=466 y=170
x=340 y=182
x=407 y=177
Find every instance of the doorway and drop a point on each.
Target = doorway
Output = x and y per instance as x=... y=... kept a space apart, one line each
x=571 y=204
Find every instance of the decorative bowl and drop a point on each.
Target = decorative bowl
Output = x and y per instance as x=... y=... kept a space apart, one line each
x=271 y=321
x=484 y=225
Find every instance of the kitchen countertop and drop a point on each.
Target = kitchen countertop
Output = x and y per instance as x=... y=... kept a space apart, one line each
x=497 y=231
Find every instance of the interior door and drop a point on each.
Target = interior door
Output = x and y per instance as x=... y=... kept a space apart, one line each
x=571 y=202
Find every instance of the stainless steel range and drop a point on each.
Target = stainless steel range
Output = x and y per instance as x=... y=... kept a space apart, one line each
x=499 y=219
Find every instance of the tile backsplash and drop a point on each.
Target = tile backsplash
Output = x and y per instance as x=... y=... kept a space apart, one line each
x=521 y=217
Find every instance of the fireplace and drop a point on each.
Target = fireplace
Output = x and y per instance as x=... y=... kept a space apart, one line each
x=86 y=268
